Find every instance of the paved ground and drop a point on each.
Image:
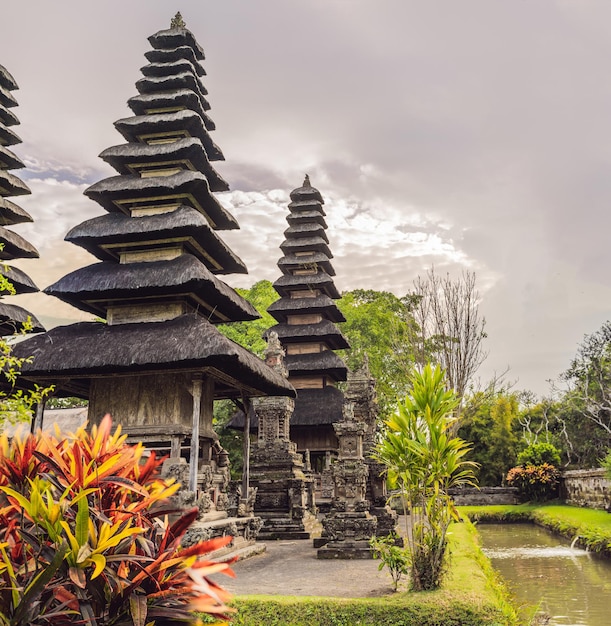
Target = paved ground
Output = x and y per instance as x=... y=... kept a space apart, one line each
x=291 y=568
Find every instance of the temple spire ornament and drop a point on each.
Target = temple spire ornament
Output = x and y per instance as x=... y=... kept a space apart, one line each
x=177 y=21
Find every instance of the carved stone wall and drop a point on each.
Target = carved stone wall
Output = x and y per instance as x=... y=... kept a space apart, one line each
x=587 y=488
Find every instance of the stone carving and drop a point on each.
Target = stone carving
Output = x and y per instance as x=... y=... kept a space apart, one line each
x=360 y=391
x=349 y=526
x=285 y=496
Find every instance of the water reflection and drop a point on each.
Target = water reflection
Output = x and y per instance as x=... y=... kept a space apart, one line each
x=543 y=570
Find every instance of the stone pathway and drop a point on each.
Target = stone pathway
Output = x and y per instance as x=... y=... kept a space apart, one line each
x=290 y=568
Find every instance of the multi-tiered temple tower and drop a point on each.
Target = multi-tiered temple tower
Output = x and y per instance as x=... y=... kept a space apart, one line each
x=157 y=363
x=307 y=317
x=12 y=318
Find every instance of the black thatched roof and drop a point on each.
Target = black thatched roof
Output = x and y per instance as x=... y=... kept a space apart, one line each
x=92 y=288
x=6 y=79
x=7 y=117
x=291 y=306
x=306 y=205
x=9 y=160
x=306 y=229
x=188 y=187
x=168 y=68
x=153 y=103
x=10 y=213
x=129 y=157
x=309 y=215
x=10 y=185
x=6 y=98
x=89 y=349
x=290 y=261
x=184 y=80
x=8 y=137
x=13 y=318
x=175 y=38
x=21 y=282
x=313 y=407
x=15 y=246
x=287 y=283
x=325 y=331
x=135 y=128
x=175 y=54
x=303 y=244
x=101 y=235
x=326 y=363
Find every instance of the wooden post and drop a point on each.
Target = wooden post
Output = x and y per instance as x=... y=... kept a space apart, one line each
x=196 y=392
x=246 y=449
x=38 y=418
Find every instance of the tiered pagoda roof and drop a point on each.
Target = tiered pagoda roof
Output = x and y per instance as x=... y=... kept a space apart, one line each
x=157 y=283
x=12 y=246
x=307 y=314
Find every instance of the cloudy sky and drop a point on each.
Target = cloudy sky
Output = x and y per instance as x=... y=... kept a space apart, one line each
x=461 y=134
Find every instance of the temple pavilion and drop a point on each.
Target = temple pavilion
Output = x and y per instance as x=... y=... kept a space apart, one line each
x=156 y=360
x=13 y=318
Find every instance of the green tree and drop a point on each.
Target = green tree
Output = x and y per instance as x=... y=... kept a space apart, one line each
x=489 y=423
x=382 y=327
x=250 y=334
x=424 y=461
x=585 y=406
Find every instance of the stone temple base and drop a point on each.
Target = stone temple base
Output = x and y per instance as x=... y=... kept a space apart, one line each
x=283 y=527
x=244 y=531
x=347 y=534
x=345 y=550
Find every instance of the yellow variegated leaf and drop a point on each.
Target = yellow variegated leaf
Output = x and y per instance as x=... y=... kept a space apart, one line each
x=100 y=563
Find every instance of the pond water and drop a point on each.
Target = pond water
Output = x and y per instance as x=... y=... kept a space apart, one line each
x=567 y=583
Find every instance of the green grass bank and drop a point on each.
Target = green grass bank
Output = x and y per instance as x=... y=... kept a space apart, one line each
x=472 y=595
x=591 y=528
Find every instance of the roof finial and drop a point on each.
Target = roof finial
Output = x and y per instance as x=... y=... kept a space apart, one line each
x=306 y=181
x=177 y=21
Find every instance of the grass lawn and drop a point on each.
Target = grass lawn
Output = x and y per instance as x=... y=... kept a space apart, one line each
x=470 y=596
x=592 y=528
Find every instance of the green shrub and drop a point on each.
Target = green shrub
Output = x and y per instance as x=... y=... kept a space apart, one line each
x=539 y=454
x=392 y=556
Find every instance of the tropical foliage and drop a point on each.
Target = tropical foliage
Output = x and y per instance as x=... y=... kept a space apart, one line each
x=535 y=483
x=392 y=556
x=16 y=404
x=85 y=537
x=424 y=461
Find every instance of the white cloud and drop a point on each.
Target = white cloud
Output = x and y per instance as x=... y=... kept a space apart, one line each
x=455 y=134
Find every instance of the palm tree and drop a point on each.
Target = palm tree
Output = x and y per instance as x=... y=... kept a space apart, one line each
x=423 y=461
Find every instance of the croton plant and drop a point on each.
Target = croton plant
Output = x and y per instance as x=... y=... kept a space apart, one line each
x=85 y=536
